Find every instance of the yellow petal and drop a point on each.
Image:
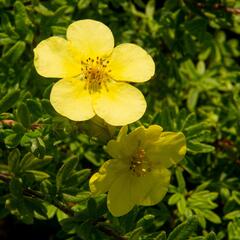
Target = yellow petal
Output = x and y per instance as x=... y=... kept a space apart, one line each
x=114 y=149
x=119 y=200
x=119 y=104
x=158 y=180
x=52 y=58
x=168 y=150
x=70 y=99
x=90 y=38
x=101 y=181
x=131 y=63
x=124 y=146
x=122 y=133
x=152 y=133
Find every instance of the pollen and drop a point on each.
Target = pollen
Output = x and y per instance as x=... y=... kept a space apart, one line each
x=95 y=73
x=139 y=164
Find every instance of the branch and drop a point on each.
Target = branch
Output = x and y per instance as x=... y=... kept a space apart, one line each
x=6 y=178
x=10 y=123
x=110 y=232
x=219 y=6
x=35 y=194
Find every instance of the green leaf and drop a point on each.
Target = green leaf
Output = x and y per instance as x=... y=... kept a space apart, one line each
x=38 y=147
x=65 y=171
x=37 y=175
x=211 y=236
x=136 y=233
x=48 y=108
x=13 y=160
x=23 y=115
x=34 y=107
x=15 y=52
x=12 y=140
x=7 y=26
x=82 y=4
x=41 y=9
x=9 y=100
x=21 y=18
x=161 y=236
x=197 y=147
x=18 y=208
x=184 y=230
x=150 y=8
x=182 y=205
x=30 y=162
x=16 y=188
x=211 y=216
x=232 y=215
x=234 y=230
x=180 y=180
x=192 y=98
x=174 y=198
x=78 y=177
x=85 y=230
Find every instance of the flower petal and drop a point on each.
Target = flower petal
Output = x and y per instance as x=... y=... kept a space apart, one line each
x=152 y=133
x=131 y=63
x=70 y=99
x=119 y=104
x=52 y=58
x=125 y=145
x=168 y=150
x=101 y=181
x=119 y=200
x=157 y=182
x=90 y=38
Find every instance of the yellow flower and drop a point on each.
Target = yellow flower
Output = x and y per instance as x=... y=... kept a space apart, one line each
x=94 y=74
x=137 y=174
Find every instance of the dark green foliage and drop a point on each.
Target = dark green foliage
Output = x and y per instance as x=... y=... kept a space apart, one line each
x=46 y=160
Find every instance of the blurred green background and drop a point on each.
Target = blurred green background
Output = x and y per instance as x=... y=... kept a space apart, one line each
x=46 y=159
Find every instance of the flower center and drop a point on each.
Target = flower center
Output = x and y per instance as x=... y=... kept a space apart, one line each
x=139 y=164
x=96 y=73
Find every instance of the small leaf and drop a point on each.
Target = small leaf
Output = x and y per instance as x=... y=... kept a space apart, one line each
x=21 y=18
x=150 y=8
x=82 y=4
x=15 y=52
x=232 y=215
x=197 y=147
x=136 y=233
x=16 y=188
x=12 y=140
x=211 y=236
x=37 y=175
x=9 y=100
x=211 y=216
x=174 y=198
x=192 y=98
x=13 y=160
x=161 y=236
x=184 y=230
x=65 y=171
x=23 y=115
x=34 y=107
x=48 y=108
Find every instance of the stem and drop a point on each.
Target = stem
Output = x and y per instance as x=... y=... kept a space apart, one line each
x=10 y=123
x=219 y=6
x=6 y=178
x=35 y=194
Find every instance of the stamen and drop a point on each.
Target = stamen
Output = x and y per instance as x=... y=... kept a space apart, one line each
x=95 y=73
x=139 y=163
